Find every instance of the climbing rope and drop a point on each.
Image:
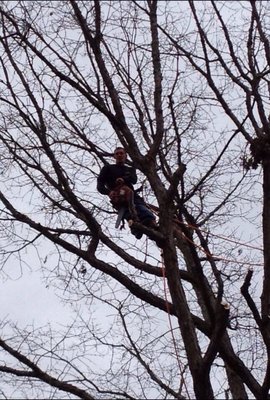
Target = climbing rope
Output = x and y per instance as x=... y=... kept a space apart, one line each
x=219 y=258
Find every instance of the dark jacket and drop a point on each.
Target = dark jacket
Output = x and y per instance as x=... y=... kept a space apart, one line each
x=106 y=180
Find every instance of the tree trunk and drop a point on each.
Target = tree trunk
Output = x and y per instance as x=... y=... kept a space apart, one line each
x=265 y=298
x=236 y=385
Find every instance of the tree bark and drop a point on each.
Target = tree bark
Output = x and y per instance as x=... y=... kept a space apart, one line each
x=265 y=298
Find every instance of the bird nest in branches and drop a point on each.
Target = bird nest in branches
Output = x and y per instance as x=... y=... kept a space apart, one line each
x=260 y=152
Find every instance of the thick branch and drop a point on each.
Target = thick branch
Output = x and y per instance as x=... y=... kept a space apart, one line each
x=38 y=373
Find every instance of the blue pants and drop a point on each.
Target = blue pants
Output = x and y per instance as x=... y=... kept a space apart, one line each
x=143 y=213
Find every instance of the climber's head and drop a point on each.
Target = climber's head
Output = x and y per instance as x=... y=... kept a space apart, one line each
x=120 y=155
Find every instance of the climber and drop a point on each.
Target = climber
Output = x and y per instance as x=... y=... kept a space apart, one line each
x=116 y=177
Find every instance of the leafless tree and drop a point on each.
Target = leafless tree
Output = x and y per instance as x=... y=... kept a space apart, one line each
x=184 y=88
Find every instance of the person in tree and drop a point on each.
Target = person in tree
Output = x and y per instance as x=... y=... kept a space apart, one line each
x=116 y=177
